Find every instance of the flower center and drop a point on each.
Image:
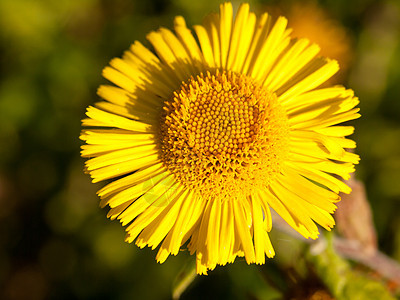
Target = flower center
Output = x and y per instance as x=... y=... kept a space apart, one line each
x=223 y=135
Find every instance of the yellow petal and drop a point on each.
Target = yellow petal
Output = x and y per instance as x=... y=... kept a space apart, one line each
x=243 y=232
x=106 y=119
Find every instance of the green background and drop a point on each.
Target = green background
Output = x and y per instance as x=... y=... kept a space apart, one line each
x=55 y=242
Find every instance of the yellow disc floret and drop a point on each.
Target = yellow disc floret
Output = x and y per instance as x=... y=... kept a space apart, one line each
x=223 y=135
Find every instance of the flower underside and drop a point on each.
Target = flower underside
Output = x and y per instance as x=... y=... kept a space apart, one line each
x=223 y=135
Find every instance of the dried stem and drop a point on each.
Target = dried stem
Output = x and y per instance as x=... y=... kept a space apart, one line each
x=352 y=249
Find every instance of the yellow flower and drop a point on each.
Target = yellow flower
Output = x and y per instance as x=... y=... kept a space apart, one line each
x=310 y=21
x=202 y=138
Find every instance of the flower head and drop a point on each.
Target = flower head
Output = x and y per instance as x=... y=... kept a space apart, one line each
x=313 y=22
x=201 y=138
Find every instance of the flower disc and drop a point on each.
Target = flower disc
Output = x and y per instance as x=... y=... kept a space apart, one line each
x=224 y=135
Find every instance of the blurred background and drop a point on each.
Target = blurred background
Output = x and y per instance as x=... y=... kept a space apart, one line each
x=55 y=242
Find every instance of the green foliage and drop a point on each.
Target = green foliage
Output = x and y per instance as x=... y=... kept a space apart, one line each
x=344 y=282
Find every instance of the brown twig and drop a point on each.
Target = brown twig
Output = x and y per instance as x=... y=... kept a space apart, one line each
x=377 y=261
